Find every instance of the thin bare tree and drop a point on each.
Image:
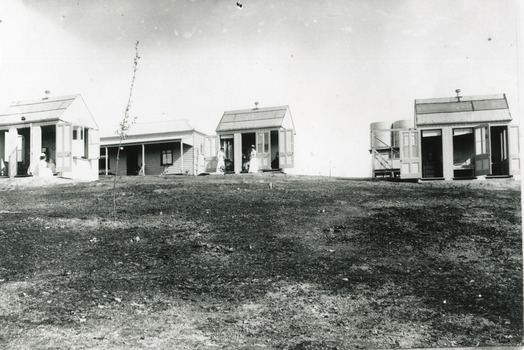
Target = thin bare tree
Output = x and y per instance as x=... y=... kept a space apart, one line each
x=125 y=125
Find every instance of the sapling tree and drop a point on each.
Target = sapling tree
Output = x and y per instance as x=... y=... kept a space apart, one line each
x=125 y=124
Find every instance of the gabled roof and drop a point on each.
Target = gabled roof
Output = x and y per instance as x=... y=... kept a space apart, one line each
x=48 y=109
x=464 y=109
x=256 y=118
x=153 y=132
x=159 y=127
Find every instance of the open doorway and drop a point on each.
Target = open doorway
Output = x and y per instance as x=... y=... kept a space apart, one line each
x=132 y=161
x=23 y=149
x=226 y=142
x=463 y=153
x=499 y=150
x=432 y=153
x=3 y=160
x=49 y=142
x=248 y=140
x=274 y=150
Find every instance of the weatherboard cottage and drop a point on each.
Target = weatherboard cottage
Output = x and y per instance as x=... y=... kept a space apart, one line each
x=459 y=137
x=155 y=148
x=60 y=127
x=270 y=130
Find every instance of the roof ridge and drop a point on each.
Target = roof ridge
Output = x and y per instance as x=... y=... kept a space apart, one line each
x=43 y=100
x=161 y=121
x=250 y=110
x=468 y=98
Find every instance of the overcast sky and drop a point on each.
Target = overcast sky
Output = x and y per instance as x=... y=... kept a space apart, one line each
x=339 y=64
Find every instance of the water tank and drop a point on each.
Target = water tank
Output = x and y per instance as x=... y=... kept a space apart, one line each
x=400 y=124
x=380 y=135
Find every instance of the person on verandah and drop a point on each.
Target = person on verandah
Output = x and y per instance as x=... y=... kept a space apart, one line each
x=221 y=164
x=253 y=166
x=41 y=169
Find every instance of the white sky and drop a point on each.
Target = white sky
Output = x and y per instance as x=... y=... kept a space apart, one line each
x=339 y=64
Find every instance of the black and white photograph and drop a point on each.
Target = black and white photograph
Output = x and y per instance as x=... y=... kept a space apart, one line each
x=261 y=174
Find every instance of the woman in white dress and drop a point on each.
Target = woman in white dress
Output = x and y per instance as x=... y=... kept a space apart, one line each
x=221 y=164
x=253 y=166
x=41 y=169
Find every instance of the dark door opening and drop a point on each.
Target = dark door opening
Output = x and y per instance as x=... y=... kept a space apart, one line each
x=499 y=150
x=248 y=140
x=49 y=142
x=23 y=156
x=133 y=167
x=3 y=161
x=228 y=145
x=432 y=154
x=274 y=150
x=463 y=153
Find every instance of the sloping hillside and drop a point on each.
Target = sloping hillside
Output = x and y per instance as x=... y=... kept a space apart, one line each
x=276 y=262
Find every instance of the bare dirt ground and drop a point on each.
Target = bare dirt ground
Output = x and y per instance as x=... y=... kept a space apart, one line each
x=266 y=261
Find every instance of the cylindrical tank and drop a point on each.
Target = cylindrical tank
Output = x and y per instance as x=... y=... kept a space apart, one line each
x=399 y=124
x=380 y=135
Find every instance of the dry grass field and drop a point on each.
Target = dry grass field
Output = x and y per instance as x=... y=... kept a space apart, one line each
x=259 y=262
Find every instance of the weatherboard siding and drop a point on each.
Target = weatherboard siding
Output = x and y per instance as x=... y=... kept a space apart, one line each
x=153 y=158
x=188 y=160
x=122 y=165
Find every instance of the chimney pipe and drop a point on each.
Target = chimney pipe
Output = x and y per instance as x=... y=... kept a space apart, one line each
x=458 y=96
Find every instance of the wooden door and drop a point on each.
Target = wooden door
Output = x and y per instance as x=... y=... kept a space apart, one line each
x=93 y=144
x=11 y=151
x=482 y=151
x=286 y=148
x=514 y=150
x=36 y=145
x=410 y=160
x=262 y=148
x=64 y=147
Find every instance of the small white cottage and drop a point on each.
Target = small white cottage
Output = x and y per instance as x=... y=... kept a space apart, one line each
x=167 y=147
x=460 y=137
x=60 y=127
x=270 y=130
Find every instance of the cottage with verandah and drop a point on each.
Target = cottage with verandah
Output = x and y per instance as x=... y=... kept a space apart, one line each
x=168 y=147
x=270 y=130
x=60 y=127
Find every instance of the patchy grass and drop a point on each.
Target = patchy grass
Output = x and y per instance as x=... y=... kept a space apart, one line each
x=231 y=262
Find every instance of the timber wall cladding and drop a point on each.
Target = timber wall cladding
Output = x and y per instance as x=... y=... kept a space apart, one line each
x=122 y=163
x=153 y=157
x=188 y=160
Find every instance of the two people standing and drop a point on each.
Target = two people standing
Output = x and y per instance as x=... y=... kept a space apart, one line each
x=221 y=161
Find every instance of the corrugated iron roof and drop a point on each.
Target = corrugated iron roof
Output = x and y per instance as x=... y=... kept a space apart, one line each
x=465 y=104
x=153 y=131
x=36 y=110
x=256 y=118
x=158 y=127
x=463 y=109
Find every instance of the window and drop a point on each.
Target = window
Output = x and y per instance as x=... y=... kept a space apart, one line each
x=167 y=157
x=481 y=140
x=78 y=133
x=79 y=145
x=263 y=142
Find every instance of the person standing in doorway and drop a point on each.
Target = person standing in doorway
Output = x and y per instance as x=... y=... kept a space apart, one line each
x=221 y=164
x=253 y=166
